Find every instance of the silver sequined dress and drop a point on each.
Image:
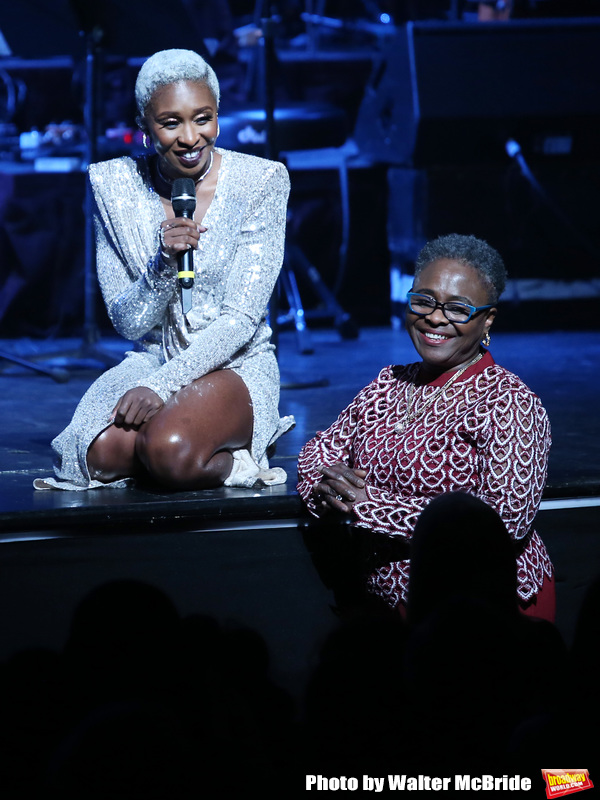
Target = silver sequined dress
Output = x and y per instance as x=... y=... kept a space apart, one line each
x=236 y=266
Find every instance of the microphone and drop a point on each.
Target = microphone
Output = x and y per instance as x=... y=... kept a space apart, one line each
x=183 y=200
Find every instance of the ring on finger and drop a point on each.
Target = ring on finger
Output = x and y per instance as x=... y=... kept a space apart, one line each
x=339 y=497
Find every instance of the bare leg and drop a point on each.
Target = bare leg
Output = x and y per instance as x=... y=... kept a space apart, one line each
x=188 y=443
x=112 y=455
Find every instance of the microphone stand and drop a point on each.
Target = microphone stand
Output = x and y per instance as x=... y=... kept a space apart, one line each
x=88 y=349
x=100 y=25
x=88 y=354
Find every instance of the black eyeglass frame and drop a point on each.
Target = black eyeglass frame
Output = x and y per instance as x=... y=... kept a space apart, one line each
x=472 y=309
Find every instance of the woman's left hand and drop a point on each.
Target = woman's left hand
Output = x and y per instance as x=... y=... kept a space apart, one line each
x=340 y=488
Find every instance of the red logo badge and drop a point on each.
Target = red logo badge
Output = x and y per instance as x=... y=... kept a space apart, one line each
x=560 y=782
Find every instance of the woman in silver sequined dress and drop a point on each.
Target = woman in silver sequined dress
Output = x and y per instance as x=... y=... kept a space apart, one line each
x=195 y=403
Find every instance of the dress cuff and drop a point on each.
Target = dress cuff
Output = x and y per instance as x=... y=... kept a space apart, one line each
x=160 y=274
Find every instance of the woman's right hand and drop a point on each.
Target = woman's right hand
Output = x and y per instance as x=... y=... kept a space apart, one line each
x=137 y=406
x=178 y=235
x=340 y=487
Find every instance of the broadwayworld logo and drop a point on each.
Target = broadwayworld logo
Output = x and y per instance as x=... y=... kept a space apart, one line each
x=560 y=782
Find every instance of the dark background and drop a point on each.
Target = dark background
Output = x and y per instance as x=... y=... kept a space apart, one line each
x=410 y=177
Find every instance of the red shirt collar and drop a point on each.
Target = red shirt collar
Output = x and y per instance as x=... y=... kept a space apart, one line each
x=483 y=363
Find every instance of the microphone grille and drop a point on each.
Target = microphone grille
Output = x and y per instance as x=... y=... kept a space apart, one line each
x=183 y=196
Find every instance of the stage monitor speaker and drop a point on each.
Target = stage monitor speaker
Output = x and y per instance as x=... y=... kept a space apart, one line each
x=446 y=93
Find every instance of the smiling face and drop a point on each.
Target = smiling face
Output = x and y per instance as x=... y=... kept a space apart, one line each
x=181 y=119
x=445 y=345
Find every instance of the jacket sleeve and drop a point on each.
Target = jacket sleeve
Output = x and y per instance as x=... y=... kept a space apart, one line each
x=382 y=511
x=514 y=463
x=136 y=283
x=330 y=447
x=393 y=514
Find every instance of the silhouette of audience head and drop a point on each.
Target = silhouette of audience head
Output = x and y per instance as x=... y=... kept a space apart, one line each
x=355 y=697
x=477 y=667
x=460 y=548
x=159 y=705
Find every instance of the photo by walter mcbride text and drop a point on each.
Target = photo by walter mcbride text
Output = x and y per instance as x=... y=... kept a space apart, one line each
x=402 y=783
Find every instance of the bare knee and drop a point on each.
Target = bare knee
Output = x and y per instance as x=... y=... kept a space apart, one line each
x=172 y=460
x=112 y=455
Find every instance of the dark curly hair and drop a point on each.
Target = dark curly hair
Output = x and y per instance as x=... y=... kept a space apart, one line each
x=468 y=250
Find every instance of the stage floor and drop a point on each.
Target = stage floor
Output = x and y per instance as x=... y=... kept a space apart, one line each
x=91 y=527
x=562 y=367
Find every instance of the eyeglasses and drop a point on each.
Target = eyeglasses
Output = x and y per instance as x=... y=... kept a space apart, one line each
x=424 y=304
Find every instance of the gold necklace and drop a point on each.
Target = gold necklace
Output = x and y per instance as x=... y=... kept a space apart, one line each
x=411 y=416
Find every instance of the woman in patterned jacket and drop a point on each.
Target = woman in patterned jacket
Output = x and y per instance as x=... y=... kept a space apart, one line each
x=454 y=422
x=195 y=404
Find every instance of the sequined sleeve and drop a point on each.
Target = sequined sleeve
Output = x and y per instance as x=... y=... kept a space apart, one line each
x=249 y=285
x=136 y=284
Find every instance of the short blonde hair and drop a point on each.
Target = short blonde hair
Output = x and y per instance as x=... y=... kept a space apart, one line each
x=173 y=66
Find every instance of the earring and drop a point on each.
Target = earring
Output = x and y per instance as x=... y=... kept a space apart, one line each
x=145 y=141
x=218 y=130
x=486 y=339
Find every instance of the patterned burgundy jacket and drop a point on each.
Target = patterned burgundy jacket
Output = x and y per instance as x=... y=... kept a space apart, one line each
x=487 y=434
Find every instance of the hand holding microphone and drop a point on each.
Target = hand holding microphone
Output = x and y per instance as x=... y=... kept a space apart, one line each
x=179 y=236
